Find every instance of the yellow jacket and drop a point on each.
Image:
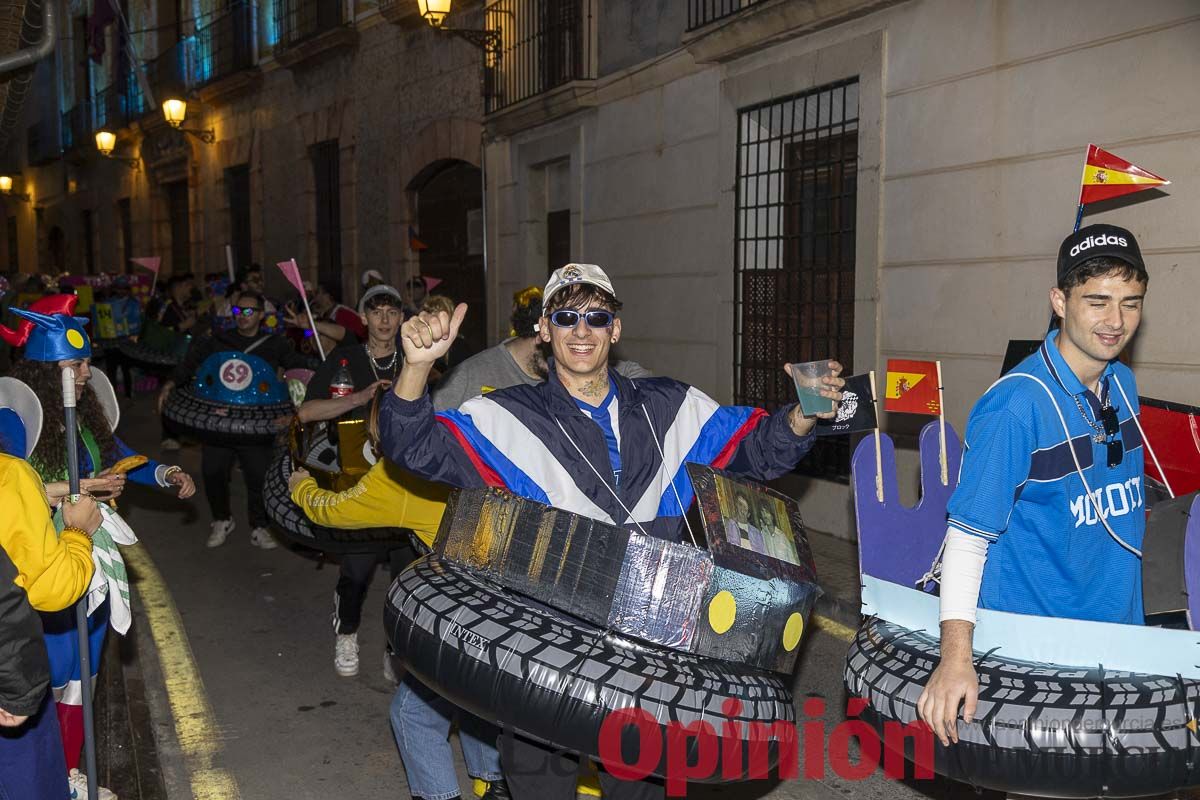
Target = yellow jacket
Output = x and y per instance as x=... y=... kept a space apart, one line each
x=54 y=572
x=385 y=497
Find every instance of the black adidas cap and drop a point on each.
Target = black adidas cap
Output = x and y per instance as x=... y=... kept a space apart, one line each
x=1098 y=240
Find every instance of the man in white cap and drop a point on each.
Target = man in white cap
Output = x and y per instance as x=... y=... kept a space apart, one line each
x=587 y=440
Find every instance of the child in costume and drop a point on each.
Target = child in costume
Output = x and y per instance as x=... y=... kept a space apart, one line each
x=55 y=340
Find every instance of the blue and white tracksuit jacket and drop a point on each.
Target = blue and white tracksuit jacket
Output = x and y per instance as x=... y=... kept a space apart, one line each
x=520 y=439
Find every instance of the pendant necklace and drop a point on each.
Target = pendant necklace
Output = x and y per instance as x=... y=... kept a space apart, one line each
x=389 y=368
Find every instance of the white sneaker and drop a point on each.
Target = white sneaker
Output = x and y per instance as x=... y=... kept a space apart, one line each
x=389 y=671
x=262 y=538
x=221 y=529
x=77 y=781
x=345 y=659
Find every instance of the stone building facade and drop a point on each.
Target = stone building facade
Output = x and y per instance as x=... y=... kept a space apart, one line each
x=329 y=119
x=772 y=180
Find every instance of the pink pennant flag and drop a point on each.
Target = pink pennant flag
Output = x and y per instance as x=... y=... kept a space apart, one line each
x=431 y=283
x=149 y=262
x=291 y=271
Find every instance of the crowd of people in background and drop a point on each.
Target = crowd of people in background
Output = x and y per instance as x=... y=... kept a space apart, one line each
x=194 y=317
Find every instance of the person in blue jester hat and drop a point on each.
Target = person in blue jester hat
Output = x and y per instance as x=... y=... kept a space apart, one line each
x=54 y=342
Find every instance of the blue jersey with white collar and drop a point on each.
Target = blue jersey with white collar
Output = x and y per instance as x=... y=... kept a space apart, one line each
x=1049 y=553
x=605 y=415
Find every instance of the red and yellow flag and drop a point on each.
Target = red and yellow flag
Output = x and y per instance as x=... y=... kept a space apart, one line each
x=912 y=387
x=1106 y=176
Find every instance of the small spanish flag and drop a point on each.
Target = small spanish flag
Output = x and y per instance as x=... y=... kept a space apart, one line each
x=1106 y=176
x=912 y=387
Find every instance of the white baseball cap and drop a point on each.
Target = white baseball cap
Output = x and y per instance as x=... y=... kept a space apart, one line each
x=375 y=291
x=571 y=274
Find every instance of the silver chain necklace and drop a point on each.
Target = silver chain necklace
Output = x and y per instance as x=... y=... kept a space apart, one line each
x=389 y=369
x=1100 y=435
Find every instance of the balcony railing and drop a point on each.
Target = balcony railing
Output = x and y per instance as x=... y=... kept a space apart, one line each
x=168 y=74
x=300 y=20
x=543 y=44
x=703 y=12
x=225 y=46
x=77 y=127
x=119 y=105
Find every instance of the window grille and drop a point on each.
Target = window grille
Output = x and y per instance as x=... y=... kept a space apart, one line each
x=797 y=165
x=702 y=12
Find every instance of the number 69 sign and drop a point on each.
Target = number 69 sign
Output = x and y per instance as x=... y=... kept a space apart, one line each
x=235 y=374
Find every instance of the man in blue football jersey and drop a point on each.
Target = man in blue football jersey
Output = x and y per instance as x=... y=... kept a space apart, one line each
x=1049 y=512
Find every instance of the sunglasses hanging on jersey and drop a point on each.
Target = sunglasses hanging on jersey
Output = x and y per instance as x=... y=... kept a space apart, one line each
x=1112 y=427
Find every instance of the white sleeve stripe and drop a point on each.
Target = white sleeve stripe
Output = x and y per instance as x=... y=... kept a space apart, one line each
x=530 y=455
x=694 y=413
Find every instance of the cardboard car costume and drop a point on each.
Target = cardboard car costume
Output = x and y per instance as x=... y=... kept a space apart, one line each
x=548 y=621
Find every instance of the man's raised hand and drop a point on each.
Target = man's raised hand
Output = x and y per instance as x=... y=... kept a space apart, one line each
x=427 y=336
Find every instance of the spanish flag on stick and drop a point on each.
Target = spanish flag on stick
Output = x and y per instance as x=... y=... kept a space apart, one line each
x=1106 y=176
x=915 y=387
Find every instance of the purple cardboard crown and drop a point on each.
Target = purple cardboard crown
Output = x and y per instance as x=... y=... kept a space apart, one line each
x=897 y=543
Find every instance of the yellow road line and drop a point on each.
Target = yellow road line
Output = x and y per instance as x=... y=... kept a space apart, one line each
x=833 y=628
x=195 y=724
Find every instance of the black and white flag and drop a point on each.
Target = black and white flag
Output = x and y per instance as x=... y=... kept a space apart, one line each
x=855 y=413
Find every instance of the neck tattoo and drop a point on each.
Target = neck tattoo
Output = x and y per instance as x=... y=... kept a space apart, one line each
x=595 y=388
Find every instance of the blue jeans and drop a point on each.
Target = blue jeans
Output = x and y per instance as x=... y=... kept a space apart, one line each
x=421 y=724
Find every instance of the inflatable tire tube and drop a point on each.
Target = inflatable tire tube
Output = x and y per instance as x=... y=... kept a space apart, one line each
x=139 y=355
x=220 y=424
x=1040 y=729
x=296 y=527
x=556 y=679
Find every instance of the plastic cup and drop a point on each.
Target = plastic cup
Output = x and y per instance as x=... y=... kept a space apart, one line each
x=807 y=377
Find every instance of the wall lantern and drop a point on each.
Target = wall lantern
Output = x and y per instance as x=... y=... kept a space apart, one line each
x=435 y=12
x=106 y=143
x=174 y=111
x=6 y=188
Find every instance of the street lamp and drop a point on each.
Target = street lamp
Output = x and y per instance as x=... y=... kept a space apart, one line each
x=174 y=110
x=435 y=12
x=106 y=143
x=6 y=188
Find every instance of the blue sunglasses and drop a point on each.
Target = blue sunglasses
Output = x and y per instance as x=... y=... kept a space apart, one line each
x=569 y=318
x=246 y=311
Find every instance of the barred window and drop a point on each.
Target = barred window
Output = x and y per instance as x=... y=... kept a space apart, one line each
x=794 y=262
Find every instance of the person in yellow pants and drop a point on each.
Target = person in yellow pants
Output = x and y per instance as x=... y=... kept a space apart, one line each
x=388 y=496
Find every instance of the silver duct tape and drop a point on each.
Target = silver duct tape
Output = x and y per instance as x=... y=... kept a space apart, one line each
x=663 y=593
x=659 y=591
